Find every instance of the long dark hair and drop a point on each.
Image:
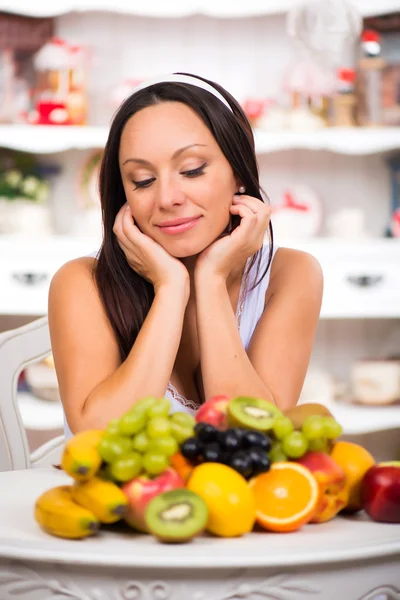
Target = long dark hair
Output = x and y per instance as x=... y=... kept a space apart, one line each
x=126 y=296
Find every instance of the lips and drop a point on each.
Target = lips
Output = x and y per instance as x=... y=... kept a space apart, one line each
x=175 y=222
x=178 y=226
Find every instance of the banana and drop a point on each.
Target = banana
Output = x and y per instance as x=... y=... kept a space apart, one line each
x=103 y=498
x=58 y=514
x=81 y=459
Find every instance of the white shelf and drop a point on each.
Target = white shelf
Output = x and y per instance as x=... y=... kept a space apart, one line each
x=180 y=8
x=336 y=248
x=41 y=139
x=357 y=141
x=356 y=419
x=40 y=414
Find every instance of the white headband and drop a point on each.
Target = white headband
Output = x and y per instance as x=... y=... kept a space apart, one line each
x=183 y=79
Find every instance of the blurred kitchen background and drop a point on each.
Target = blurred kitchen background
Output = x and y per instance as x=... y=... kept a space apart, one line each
x=320 y=82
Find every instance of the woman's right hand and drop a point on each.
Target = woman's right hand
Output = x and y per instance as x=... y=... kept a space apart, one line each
x=145 y=256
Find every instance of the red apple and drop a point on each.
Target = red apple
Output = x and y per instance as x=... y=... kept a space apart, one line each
x=142 y=489
x=380 y=492
x=331 y=480
x=214 y=412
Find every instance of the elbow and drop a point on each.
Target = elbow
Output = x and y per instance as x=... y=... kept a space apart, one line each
x=285 y=402
x=83 y=419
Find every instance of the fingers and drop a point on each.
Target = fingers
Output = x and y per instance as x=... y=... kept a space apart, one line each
x=256 y=205
x=259 y=208
x=255 y=219
x=243 y=211
x=117 y=228
x=248 y=224
x=124 y=226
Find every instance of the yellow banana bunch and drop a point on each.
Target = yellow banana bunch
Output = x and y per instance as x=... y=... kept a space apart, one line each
x=58 y=514
x=103 y=498
x=81 y=458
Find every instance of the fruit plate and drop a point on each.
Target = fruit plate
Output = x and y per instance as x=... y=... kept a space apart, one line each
x=352 y=558
x=342 y=539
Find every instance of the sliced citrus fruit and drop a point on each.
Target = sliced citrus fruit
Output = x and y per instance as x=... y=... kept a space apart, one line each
x=286 y=496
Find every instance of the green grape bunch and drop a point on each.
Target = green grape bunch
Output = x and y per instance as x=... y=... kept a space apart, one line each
x=317 y=433
x=143 y=440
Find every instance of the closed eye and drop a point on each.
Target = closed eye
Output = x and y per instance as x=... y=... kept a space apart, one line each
x=195 y=172
x=144 y=183
x=191 y=173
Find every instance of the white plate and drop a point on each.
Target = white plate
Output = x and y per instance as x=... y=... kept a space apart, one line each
x=342 y=539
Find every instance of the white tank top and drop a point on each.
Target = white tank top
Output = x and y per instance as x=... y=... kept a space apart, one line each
x=249 y=310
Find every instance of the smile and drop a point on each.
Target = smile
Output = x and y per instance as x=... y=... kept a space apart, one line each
x=179 y=226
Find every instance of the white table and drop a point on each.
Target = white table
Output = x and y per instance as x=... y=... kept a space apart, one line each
x=346 y=559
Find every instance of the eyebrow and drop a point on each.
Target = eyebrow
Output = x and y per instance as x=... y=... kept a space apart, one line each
x=142 y=161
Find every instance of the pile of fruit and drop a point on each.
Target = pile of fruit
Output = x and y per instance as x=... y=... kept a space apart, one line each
x=240 y=463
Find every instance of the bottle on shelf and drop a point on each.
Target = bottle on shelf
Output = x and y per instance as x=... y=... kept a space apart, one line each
x=77 y=92
x=344 y=102
x=371 y=66
x=59 y=95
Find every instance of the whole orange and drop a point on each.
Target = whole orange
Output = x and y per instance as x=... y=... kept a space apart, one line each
x=355 y=460
x=229 y=499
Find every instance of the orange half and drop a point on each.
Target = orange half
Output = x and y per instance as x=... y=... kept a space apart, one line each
x=286 y=496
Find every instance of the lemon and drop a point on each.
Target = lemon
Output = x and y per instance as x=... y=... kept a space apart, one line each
x=229 y=499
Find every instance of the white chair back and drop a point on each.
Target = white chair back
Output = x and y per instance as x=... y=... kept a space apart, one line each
x=19 y=348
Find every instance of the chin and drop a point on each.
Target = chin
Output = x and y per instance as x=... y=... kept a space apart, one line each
x=185 y=248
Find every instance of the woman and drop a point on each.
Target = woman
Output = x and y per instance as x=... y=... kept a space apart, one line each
x=186 y=299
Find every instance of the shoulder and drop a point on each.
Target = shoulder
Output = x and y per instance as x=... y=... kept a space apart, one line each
x=76 y=274
x=295 y=271
x=74 y=299
x=78 y=267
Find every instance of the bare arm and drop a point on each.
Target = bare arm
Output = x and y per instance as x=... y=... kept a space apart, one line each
x=277 y=360
x=94 y=385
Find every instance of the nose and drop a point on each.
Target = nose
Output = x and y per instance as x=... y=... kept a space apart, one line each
x=169 y=194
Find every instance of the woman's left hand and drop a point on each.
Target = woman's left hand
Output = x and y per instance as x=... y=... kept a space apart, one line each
x=225 y=253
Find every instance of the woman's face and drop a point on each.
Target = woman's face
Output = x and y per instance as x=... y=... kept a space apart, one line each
x=177 y=181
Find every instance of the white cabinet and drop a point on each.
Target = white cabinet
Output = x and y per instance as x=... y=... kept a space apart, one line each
x=27 y=266
x=361 y=279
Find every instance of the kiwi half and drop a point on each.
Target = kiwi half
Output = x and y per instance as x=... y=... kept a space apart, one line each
x=176 y=516
x=252 y=413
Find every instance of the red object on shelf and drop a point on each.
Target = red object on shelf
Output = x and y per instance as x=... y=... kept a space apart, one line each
x=57 y=41
x=59 y=95
x=369 y=35
x=345 y=87
x=395 y=223
x=347 y=75
x=290 y=202
x=254 y=107
x=52 y=113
